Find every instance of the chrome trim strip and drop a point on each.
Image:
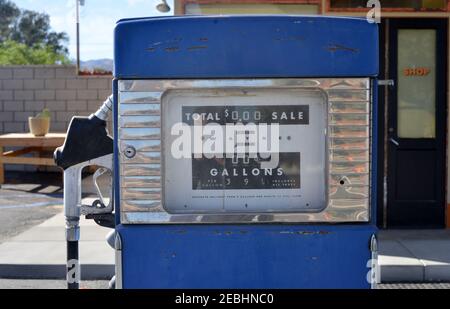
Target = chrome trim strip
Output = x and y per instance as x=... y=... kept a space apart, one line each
x=140 y=121
x=118 y=259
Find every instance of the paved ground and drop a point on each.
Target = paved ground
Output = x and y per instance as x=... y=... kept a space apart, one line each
x=48 y=284
x=32 y=231
x=40 y=252
x=416 y=286
x=60 y=284
x=414 y=255
x=28 y=199
x=25 y=205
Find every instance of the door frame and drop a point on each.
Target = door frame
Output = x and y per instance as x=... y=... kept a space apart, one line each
x=386 y=94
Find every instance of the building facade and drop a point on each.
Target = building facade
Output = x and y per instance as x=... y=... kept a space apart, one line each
x=414 y=177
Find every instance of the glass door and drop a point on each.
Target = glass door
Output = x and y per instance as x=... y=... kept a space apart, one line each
x=417 y=123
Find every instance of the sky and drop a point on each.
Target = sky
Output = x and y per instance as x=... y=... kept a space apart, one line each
x=97 y=20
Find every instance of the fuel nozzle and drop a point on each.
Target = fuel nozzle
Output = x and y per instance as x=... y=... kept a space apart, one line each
x=87 y=143
x=87 y=138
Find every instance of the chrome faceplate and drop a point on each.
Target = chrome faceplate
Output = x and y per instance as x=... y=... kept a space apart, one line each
x=349 y=134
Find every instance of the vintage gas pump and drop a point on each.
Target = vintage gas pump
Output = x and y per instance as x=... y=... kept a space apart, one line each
x=244 y=152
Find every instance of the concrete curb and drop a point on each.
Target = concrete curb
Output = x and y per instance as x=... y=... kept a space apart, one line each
x=414 y=256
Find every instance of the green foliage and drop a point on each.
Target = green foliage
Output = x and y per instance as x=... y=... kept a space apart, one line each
x=9 y=13
x=36 y=43
x=44 y=114
x=13 y=53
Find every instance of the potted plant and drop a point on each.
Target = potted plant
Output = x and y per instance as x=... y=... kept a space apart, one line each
x=40 y=125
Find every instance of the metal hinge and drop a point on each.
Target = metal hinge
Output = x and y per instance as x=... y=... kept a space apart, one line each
x=386 y=82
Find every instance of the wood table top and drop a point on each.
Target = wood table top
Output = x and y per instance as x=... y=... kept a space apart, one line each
x=27 y=139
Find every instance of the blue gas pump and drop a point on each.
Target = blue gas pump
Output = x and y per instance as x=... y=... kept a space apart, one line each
x=244 y=152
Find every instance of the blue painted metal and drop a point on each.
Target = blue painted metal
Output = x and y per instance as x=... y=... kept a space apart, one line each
x=245 y=47
x=246 y=256
x=251 y=256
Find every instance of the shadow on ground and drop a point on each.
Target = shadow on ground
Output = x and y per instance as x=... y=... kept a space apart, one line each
x=29 y=198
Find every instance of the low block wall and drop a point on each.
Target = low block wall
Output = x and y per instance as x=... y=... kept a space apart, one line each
x=27 y=90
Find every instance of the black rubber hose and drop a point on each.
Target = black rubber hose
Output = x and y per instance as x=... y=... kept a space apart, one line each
x=73 y=267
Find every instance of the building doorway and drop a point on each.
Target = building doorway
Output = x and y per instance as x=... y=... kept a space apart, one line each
x=415 y=123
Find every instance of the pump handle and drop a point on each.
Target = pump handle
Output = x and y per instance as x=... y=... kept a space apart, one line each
x=87 y=139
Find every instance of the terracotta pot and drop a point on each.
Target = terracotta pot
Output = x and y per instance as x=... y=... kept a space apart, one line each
x=39 y=126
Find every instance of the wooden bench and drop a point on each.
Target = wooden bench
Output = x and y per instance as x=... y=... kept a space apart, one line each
x=28 y=143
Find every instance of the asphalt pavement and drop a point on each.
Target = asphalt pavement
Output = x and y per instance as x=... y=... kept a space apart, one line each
x=23 y=205
x=29 y=199
x=32 y=243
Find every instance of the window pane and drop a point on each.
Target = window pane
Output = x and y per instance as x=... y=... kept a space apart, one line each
x=348 y=3
x=235 y=9
x=414 y=4
x=416 y=83
x=434 y=4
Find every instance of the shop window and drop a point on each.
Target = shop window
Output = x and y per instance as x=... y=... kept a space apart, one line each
x=401 y=4
x=240 y=8
x=416 y=89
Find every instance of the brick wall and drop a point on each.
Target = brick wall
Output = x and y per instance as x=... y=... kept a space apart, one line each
x=27 y=90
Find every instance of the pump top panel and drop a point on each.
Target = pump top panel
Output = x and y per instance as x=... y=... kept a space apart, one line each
x=280 y=106
x=245 y=47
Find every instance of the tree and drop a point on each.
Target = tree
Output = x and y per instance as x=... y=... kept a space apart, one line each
x=29 y=28
x=34 y=28
x=14 y=53
x=9 y=13
x=55 y=40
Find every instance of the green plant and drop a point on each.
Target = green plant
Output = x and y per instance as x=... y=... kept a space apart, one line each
x=13 y=53
x=44 y=114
